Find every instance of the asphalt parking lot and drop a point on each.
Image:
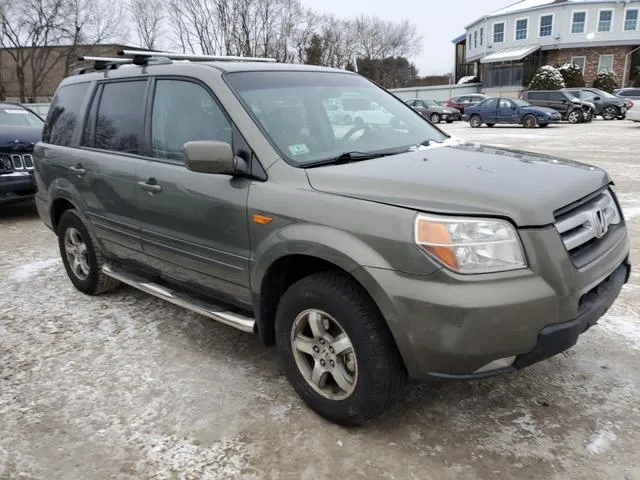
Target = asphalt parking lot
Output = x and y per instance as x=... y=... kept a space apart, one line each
x=126 y=386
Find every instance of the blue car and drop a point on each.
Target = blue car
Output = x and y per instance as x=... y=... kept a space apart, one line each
x=509 y=110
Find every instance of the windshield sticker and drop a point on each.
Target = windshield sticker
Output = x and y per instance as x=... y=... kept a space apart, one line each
x=299 y=149
x=20 y=112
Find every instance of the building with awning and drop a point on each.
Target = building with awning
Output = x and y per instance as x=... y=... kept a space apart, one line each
x=505 y=48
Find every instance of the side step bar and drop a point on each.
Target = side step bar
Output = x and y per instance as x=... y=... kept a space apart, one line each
x=246 y=324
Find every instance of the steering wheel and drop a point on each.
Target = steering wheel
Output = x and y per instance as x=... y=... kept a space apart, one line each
x=357 y=128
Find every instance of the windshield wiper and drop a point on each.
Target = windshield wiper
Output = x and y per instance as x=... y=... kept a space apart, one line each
x=347 y=157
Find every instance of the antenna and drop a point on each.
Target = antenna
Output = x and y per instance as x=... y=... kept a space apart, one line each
x=138 y=55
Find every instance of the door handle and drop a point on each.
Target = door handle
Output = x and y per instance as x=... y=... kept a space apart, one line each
x=78 y=170
x=150 y=187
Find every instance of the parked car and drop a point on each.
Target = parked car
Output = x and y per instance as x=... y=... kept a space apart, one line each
x=366 y=256
x=570 y=108
x=20 y=129
x=360 y=110
x=632 y=93
x=606 y=105
x=633 y=113
x=463 y=101
x=511 y=111
x=434 y=111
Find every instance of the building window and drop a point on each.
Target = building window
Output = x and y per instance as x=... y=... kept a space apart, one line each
x=498 y=33
x=481 y=35
x=579 y=61
x=605 y=19
x=631 y=20
x=546 y=25
x=475 y=39
x=578 y=22
x=521 y=29
x=469 y=42
x=605 y=63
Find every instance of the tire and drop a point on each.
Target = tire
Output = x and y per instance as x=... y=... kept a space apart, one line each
x=435 y=118
x=491 y=125
x=449 y=120
x=86 y=273
x=610 y=113
x=343 y=306
x=543 y=125
x=529 y=121
x=475 y=121
x=575 y=116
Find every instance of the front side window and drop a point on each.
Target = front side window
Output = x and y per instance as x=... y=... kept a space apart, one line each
x=605 y=63
x=504 y=103
x=63 y=114
x=631 y=20
x=521 y=29
x=291 y=110
x=578 y=22
x=605 y=20
x=546 y=25
x=498 y=33
x=184 y=111
x=119 y=123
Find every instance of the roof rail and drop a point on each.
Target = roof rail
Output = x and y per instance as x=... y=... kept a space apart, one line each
x=140 y=54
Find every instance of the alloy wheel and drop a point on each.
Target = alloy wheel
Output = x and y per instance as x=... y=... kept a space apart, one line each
x=76 y=251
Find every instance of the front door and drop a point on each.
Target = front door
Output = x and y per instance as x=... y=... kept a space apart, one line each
x=193 y=225
x=507 y=111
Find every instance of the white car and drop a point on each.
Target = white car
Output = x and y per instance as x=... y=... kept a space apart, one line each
x=633 y=113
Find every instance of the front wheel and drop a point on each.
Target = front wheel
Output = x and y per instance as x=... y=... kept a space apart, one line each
x=609 y=113
x=575 y=116
x=475 y=121
x=529 y=121
x=435 y=118
x=336 y=349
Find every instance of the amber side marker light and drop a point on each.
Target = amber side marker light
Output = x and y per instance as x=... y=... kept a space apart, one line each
x=261 y=219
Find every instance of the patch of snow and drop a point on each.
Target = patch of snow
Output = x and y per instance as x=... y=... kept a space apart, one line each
x=630 y=212
x=468 y=79
x=30 y=270
x=626 y=327
x=601 y=442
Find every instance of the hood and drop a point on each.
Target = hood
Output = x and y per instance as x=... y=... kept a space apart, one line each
x=466 y=179
x=18 y=138
x=533 y=108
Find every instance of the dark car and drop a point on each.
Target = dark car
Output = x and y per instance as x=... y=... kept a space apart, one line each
x=570 y=108
x=507 y=110
x=463 y=101
x=20 y=129
x=607 y=106
x=633 y=93
x=434 y=111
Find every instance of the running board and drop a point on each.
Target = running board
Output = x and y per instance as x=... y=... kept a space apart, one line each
x=246 y=324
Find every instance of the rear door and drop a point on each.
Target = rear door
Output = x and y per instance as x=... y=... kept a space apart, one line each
x=489 y=111
x=112 y=141
x=194 y=225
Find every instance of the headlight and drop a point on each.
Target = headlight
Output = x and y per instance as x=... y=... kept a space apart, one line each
x=468 y=245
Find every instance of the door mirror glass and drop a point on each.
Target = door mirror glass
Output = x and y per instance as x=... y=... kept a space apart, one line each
x=209 y=156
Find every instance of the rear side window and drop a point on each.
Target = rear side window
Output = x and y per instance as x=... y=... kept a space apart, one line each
x=118 y=123
x=64 y=114
x=536 y=96
x=556 y=96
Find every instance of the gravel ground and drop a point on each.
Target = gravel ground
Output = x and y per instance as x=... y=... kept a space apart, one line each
x=126 y=386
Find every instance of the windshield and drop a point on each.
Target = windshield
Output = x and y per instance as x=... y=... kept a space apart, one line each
x=521 y=103
x=312 y=117
x=17 y=116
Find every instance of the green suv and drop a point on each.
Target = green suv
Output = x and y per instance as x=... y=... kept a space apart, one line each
x=366 y=253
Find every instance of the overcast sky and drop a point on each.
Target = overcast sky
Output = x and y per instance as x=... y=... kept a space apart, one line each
x=439 y=22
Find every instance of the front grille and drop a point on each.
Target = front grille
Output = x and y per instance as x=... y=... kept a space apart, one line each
x=5 y=163
x=15 y=162
x=27 y=161
x=584 y=225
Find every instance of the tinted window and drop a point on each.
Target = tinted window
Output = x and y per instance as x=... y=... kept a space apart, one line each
x=556 y=96
x=537 y=96
x=120 y=118
x=183 y=112
x=64 y=113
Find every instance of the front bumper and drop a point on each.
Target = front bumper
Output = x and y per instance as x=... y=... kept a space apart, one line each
x=16 y=185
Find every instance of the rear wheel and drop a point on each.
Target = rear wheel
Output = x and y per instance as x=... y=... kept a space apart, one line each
x=529 y=121
x=435 y=117
x=336 y=349
x=609 y=113
x=475 y=121
x=575 y=116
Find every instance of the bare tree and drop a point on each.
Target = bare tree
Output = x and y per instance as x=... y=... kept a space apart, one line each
x=148 y=17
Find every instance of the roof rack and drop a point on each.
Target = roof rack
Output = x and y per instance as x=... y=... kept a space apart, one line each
x=140 y=54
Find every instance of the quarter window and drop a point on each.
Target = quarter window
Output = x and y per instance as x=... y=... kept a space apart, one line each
x=63 y=114
x=604 y=20
x=578 y=22
x=631 y=20
x=546 y=25
x=605 y=63
x=183 y=112
x=521 y=29
x=498 y=33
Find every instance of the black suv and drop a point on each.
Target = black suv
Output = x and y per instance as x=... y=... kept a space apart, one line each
x=572 y=109
x=20 y=129
x=608 y=106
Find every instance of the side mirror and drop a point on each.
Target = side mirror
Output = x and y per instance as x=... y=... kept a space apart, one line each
x=208 y=156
